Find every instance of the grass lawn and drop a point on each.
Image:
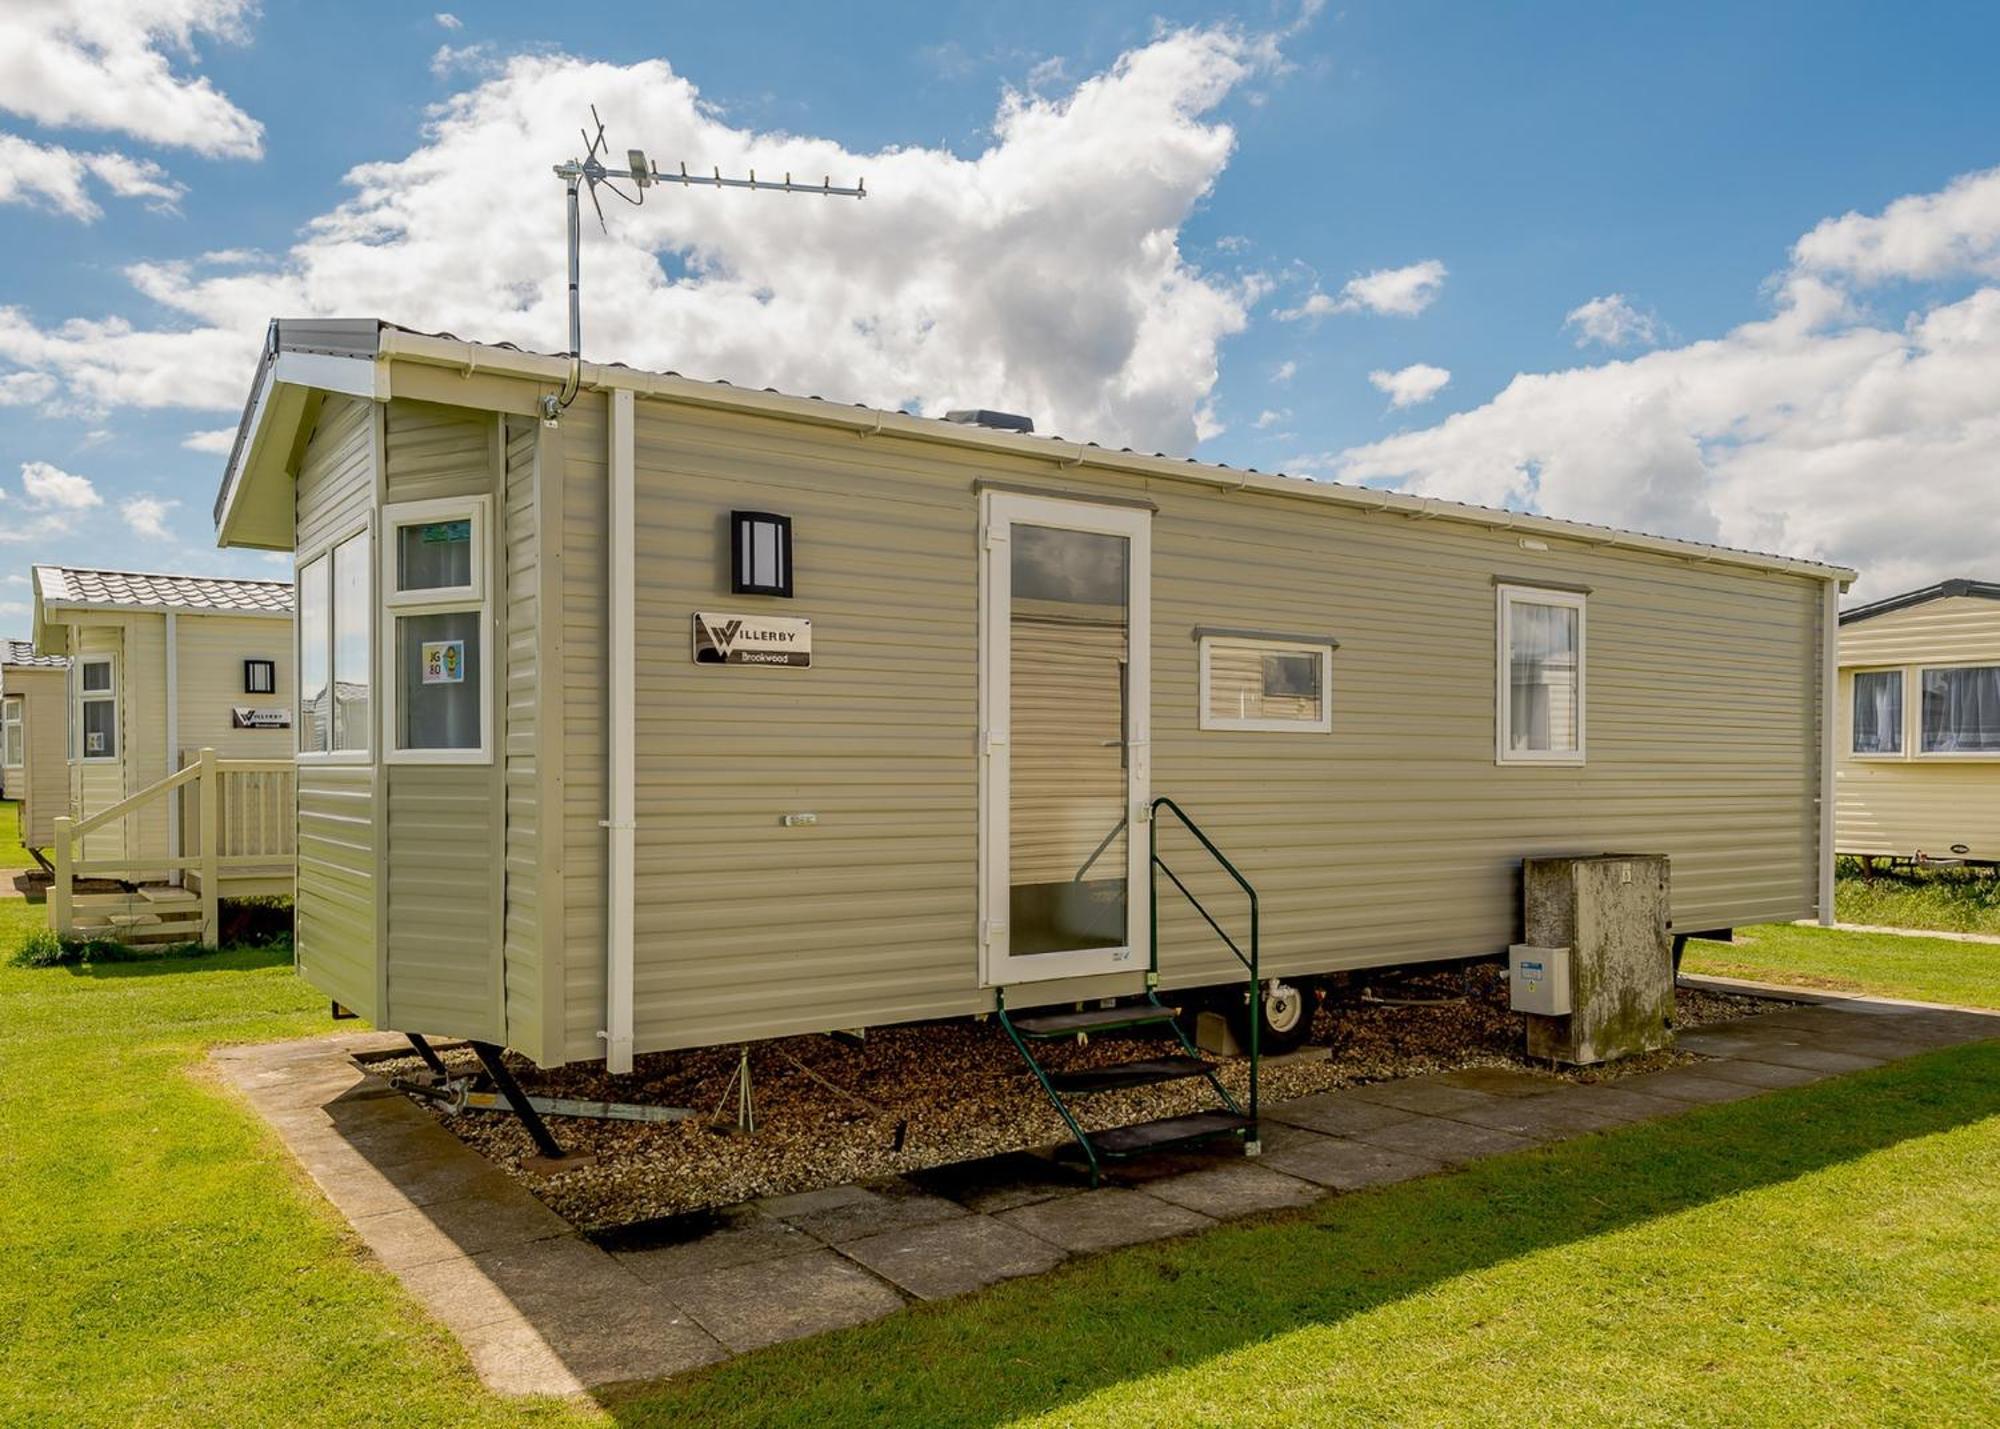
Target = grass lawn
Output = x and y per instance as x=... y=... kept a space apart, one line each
x=1828 y=1254
x=12 y=854
x=1959 y=900
x=1890 y=964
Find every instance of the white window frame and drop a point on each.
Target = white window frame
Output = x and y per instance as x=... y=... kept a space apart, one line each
x=324 y=551
x=13 y=736
x=1913 y=715
x=107 y=695
x=1273 y=645
x=398 y=604
x=1506 y=597
x=1875 y=756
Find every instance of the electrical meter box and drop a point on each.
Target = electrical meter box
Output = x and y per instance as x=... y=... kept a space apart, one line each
x=1610 y=912
x=1538 y=979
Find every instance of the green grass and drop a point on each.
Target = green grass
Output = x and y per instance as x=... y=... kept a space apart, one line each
x=12 y=853
x=1887 y=964
x=1959 y=900
x=1829 y=1254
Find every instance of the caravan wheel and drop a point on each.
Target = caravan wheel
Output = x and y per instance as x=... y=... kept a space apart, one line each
x=1287 y=1011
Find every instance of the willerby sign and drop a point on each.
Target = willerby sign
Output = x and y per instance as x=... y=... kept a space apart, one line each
x=752 y=640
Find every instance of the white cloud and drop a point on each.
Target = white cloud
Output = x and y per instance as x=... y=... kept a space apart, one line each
x=1002 y=279
x=1269 y=418
x=1612 y=321
x=1410 y=386
x=476 y=59
x=1284 y=372
x=448 y=21
x=52 y=177
x=12 y=608
x=51 y=488
x=23 y=389
x=217 y=441
x=109 y=65
x=1951 y=233
x=1394 y=292
x=147 y=516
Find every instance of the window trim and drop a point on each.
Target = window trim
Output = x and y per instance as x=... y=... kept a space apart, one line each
x=397 y=605
x=107 y=695
x=1320 y=650
x=398 y=515
x=1872 y=756
x=1913 y=714
x=1506 y=596
x=324 y=552
x=14 y=731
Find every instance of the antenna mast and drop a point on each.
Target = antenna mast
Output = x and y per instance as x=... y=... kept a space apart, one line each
x=643 y=174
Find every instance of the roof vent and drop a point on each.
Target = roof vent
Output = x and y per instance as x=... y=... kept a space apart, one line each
x=1000 y=421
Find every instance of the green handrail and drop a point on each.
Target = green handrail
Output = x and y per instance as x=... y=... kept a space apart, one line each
x=1158 y=866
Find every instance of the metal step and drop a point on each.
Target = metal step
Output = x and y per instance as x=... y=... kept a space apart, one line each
x=1168 y=1131
x=1150 y=1072
x=1091 y=1019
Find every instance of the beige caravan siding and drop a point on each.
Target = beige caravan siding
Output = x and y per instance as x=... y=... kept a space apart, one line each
x=334 y=913
x=444 y=874
x=45 y=727
x=520 y=745
x=212 y=649
x=1394 y=838
x=1907 y=805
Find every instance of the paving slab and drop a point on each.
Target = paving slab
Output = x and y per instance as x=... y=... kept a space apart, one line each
x=1501 y=1081
x=1346 y=1165
x=1818 y=1059
x=748 y=1306
x=888 y=1204
x=999 y=1183
x=1449 y=1143
x=1235 y=1188
x=946 y=1258
x=1684 y=1084
x=1716 y=1042
x=469 y=1225
x=1431 y=1096
x=1337 y=1113
x=1104 y=1219
x=1766 y=1076
x=806 y=1203
x=708 y=1240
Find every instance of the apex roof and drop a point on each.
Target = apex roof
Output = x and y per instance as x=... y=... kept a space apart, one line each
x=77 y=587
x=1943 y=590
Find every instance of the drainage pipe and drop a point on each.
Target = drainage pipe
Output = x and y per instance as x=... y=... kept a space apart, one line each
x=620 y=687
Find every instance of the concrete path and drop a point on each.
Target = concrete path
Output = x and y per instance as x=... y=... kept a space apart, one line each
x=542 y=1310
x=1902 y=932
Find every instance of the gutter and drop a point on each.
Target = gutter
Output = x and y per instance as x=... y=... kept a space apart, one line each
x=621 y=699
x=1829 y=660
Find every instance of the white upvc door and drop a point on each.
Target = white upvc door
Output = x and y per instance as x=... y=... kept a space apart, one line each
x=1064 y=720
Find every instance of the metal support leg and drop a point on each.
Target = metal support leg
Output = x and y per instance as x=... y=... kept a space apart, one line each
x=489 y=1058
x=430 y=1056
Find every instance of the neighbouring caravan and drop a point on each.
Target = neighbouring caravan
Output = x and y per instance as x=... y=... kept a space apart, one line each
x=161 y=667
x=1918 y=769
x=685 y=714
x=33 y=727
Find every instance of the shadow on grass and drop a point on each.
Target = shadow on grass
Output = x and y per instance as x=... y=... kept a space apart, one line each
x=1035 y=1345
x=227 y=960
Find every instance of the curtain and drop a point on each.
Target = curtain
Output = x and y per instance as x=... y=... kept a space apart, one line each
x=1542 y=670
x=1962 y=710
x=1878 y=712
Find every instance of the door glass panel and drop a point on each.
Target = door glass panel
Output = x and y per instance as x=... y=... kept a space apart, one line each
x=1069 y=620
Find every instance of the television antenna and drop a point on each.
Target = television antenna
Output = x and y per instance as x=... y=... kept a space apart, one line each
x=641 y=173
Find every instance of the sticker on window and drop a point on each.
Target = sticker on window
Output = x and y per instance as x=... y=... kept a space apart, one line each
x=444 y=662
x=438 y=533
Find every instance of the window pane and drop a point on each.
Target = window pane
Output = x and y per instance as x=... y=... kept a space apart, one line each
x=351 y=676
x=1252 y=682
x=100 y=729
x=434 y=555
x=1878 y=712
x=438 y=681
x=315 y=708
x=1543 y=677
x=1962 y=711
x=97 y=675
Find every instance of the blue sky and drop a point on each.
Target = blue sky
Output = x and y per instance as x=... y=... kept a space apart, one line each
x=1545 y=156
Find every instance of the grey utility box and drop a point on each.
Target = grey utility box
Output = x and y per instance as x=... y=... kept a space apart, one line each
x=1610 y=912
x=1538 y=979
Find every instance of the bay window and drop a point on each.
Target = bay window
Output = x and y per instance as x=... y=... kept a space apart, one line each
x=335 y=667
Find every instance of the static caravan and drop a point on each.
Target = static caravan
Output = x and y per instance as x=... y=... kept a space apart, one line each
x=678 y=714
x=161 y=667
x=1918 y=769
x=34 y=723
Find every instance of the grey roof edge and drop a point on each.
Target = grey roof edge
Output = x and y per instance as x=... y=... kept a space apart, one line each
x=67 y=598
x=1923 y=595
x=357 y=337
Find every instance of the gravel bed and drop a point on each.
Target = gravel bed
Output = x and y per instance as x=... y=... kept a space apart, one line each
x=910 y=1097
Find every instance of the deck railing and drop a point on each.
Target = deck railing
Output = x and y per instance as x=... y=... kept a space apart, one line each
x=240 y=820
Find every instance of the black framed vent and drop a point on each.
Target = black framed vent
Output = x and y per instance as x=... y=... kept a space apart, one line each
x=260 y=677
x=760 y=553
